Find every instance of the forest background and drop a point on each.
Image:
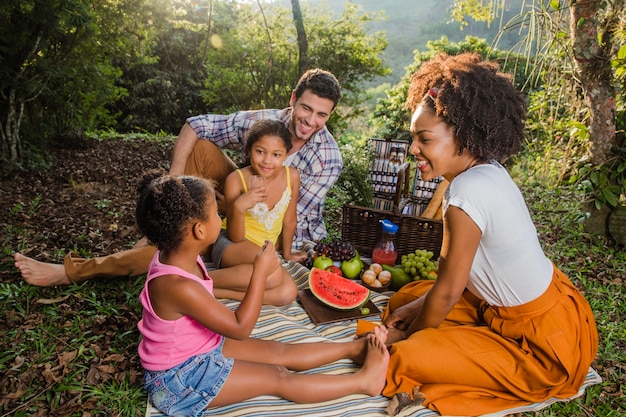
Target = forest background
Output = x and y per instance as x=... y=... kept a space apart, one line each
x=92 y=93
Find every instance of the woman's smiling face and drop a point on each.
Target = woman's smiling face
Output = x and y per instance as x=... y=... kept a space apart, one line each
x=435 y=146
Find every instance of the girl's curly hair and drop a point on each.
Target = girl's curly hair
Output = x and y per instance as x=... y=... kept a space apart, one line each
x=167 y=205
x=481 y=103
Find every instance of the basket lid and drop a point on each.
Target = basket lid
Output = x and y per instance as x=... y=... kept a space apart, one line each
x=389 y=227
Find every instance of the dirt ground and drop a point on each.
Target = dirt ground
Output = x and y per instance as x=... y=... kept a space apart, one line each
x=84 y=200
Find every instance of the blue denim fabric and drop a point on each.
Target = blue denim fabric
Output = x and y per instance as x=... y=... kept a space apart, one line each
x=187 y=389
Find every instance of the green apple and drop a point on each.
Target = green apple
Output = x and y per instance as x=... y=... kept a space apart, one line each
x=352 y=268
x=322 y=262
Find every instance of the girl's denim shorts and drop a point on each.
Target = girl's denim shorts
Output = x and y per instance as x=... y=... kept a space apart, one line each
x=188 y=388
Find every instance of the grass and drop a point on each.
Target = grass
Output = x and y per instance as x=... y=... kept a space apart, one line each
x=83 y=339
x=73 y=347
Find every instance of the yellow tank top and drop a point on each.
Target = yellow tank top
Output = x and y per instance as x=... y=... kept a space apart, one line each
x=262 y=223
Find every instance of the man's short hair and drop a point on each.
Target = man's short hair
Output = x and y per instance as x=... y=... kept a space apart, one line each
x=322 y=83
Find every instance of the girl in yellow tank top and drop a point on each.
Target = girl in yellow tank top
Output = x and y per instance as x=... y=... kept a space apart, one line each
x=260 y=213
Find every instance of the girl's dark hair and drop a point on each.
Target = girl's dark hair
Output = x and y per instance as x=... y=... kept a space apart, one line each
x=481 y=103
x=268 y=127
x=166 y=205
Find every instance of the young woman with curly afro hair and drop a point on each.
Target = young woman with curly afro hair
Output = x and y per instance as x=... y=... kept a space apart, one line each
x=501 y=326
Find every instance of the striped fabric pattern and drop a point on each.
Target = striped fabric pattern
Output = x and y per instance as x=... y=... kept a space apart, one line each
x=291 y=324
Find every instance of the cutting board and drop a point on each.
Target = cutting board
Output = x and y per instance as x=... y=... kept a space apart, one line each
x=321 y=314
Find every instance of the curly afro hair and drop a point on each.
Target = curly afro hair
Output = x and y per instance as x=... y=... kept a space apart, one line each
x=481 y=103
x=167 y=205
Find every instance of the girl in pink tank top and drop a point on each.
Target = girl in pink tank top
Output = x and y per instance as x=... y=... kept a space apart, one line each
x=196 y=351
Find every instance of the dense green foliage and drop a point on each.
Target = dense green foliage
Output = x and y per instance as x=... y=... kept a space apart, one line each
x=140 y=65
x=410 y=25
x=390 y=117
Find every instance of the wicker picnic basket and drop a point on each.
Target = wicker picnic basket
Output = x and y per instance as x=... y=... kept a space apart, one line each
x=361 y=225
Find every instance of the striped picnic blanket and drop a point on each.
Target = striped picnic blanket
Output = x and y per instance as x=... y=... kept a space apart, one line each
x=291 y=324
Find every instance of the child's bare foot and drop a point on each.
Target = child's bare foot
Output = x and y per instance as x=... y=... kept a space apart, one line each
x=373 y=373
x=41 y=274
x=379 y=332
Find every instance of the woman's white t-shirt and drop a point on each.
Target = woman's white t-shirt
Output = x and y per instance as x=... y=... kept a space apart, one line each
x=510 y=267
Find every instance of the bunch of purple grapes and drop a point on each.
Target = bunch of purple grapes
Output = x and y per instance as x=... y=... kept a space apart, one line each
x=337 y=250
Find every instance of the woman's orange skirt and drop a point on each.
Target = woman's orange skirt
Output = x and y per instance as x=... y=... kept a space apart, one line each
x=484 y=359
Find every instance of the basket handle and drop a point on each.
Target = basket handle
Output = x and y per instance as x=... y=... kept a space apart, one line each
x=401 y=197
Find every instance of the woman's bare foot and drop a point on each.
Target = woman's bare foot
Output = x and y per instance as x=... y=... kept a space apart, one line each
x=41 y=274
x=373 y=373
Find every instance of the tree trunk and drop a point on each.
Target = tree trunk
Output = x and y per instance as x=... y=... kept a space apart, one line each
x=10 y=148
x=593 y=65
x=303 y=44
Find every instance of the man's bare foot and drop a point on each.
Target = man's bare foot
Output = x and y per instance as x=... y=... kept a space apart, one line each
x=41 y=274
x=141 y=243
x=373 y=373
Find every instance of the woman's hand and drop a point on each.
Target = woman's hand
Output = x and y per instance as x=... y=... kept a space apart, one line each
x=402 y=317
x=394 y=335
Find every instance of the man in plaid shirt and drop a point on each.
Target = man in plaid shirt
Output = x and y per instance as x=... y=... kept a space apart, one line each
x=314 y=153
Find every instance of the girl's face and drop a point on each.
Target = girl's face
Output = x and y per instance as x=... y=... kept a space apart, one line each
x=435 y=146
x=267 y=155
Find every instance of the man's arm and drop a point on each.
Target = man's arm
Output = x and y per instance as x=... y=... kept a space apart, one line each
x=187 y=139
x=319 y=170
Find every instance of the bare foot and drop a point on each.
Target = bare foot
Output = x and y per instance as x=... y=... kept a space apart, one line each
x=379 y=332
x=373 y=373
x=41 y=274
x=141 y=243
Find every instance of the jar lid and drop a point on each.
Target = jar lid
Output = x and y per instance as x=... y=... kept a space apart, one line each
x=389 y=227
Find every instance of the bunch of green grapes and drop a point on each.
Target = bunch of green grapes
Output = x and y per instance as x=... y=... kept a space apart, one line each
x=419 y=264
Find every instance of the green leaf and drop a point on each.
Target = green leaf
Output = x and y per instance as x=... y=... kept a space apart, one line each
x=555 y=4
x=561 y=34
x=580 y=22
x=621 y=54
x=587 y=186
x=598 y=204
x=609 y=196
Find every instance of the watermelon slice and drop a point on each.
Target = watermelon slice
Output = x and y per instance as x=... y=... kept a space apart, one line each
x=337 y=292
